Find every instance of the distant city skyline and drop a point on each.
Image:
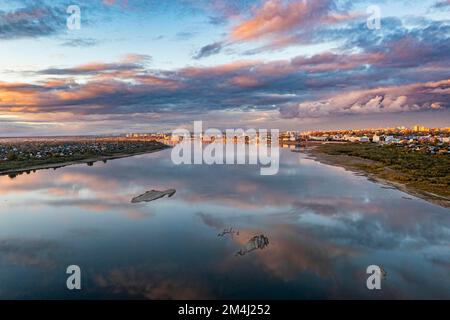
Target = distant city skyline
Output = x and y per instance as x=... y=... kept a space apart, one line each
x=416 y=128
x=146 y=66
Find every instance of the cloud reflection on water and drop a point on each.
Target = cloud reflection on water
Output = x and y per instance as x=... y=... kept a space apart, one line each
x=325 y=226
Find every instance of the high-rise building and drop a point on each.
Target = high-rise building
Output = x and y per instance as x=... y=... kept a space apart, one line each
x=419 y=128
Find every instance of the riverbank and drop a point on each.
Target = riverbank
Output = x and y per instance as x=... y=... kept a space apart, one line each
x=407 y=179
x=19 y=167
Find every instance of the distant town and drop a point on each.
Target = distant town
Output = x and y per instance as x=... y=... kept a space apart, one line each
x=42 y=148
x=417 y=138
x=18 y=155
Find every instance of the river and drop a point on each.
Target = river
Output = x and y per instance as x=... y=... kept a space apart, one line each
x=324 y=227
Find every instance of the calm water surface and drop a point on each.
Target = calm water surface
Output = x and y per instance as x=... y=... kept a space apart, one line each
x=325 y=225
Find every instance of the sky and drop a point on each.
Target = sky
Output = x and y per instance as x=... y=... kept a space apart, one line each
x=147 y=65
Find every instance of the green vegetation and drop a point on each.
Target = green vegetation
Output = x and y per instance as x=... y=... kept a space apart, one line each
x=23 y=163
x=418 y=170
x=12 y=156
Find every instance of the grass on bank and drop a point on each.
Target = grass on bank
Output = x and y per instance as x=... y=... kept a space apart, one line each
x=419 y=170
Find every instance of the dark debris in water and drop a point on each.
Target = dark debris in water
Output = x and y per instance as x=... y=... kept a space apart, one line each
x=257 y=242
x=229 y=231
x=153 y=195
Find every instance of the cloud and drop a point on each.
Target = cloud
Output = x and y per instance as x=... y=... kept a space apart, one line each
x=284 y=23
x=208 y=50
x=145 y=282
x=136 y=58
x=32 y=253
x=220 y=10
x=360 y=77
x=31 y=22
x=129 y=86
x=81 y=42
x=127 y=63
x=113 y=2
x=184 y=35
x=414 y=97
x=442 y=4
x=275 y=17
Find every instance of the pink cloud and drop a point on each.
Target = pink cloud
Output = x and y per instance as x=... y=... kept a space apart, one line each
x=275 y=18
x=130 y=86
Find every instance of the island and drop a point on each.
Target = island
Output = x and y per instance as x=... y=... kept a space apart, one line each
x=153 y=195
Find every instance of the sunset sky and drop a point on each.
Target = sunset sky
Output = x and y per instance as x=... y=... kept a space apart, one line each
x=142 y=66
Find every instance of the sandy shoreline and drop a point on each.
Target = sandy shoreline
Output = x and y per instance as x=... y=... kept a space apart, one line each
x=349 y=163
x=81 y=161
